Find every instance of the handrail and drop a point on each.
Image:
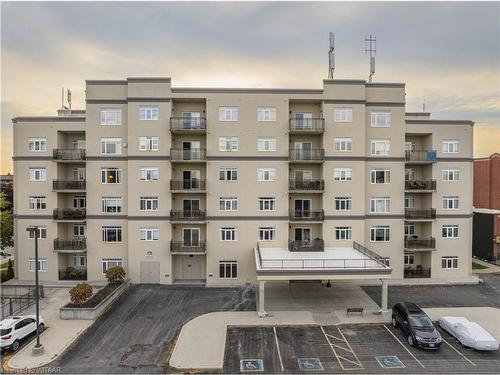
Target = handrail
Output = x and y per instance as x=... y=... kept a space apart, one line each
x=420 y=243
x=307 y=125
x=420 y=185
x=420 y=155
x=306 y=155
x=192 y=154
x=191 y=184
x=317 y=184
x=68 y=184
x=190 y=123
x=373 y=255
x=68 y=154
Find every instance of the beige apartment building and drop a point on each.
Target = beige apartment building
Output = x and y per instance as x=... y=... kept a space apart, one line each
x=194 y=185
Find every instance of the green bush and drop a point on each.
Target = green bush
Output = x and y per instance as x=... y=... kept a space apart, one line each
x=80 y=293
x=10 y=270
x=115 y=274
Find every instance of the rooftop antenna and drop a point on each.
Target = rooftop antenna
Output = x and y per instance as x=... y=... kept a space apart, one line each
x=62 y=99
x=371 y=51
x=331 y=56
x=423 y=106
x=69 y=99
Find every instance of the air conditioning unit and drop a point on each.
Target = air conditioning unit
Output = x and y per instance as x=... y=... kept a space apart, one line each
x=497 y=239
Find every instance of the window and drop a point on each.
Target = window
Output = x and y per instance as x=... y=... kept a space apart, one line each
x=42 y=233
x=266 y=174
x=79 y=144
x=228 y=144
x=266 y=204
x=79 y=174
x=409 y=229
x=111 y=176
x=228 y=113
x=111 y=116
x=228 y=233
x=342 y=174
x=148 y=112
x=409 y=259
x=381 y=119
x=449 y=262
x=149 y=174
x=148 y=204
x=111 y=204
x=343 y=233
x=149 y=234
x=266 y=113
x=228 y=269
x=111 y=233
x=228 y=204
x=410 y=146
x=451 y=146
x=111 y=146
x=37 y=174
x=409 y=201
x=451 y=175
x=379 y=233
x=381 y=146
x=42 y=264
x=79 y=201
x=450 y=231
x=110 y=263
x=343 y=144
x=78 y=230
x=343 y=203
x=380 y=205
x=266 y=144
x=37 y=202
x=228 y=174
x=410 y=174
x=79 y=260
x=450 y=202
x=37 y=144
x=149 y=143
x=267 y=233
x=380 y=176
x=343 y=115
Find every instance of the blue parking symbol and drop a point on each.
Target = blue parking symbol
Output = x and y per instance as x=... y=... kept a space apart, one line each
x=249 y=365
x=310 y=364
x=389 y=361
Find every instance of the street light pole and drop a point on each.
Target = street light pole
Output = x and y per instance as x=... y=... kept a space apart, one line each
x=35 y=230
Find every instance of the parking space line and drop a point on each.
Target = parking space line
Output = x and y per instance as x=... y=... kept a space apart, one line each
x=278 y=349
x=464 y=357
x=357 y=362
x=404 y=346
x=349 y=345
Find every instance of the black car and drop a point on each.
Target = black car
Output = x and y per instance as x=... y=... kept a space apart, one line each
x=416 y=326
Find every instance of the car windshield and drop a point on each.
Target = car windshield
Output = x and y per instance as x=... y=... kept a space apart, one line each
x=420 y=321
x=4 y=331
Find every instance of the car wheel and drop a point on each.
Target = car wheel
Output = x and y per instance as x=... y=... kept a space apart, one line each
x=410 y=340
x=15 y=346
x=41 y=327
x=394 y=323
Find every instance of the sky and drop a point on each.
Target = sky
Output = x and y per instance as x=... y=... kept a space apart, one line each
x=447 y=53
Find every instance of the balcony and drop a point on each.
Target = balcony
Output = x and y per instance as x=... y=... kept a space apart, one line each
x=417 y=273
x=306 y=245
x=70 y=246
x=420 y=243
x=73 y=274
x=420 y=156
x=420 y=186
x=188 y=216
x=306 y=156
x=69 y=214
x=420 y=213
x=181 y=125
x=307 y=215
x=307 y=126
x=69 y=185
x=310 y=186
x=188 y=155
x=188 y=186
x=63 y=155
x=180 y=247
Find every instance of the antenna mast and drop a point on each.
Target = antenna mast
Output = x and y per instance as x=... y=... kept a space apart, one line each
x=371 y=51
x=331 y=56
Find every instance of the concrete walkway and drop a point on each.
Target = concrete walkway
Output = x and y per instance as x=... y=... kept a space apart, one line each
x=491 y=267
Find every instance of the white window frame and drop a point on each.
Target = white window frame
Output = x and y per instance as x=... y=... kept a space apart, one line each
x=386 y=233
x=342 y=233
x=386 y=176
x=114 y=114
x=343 y=203
x=115 y=204
x=37 y=144
x=106 y=143
x=266 y=114
x=380 y=147
x=380 y=119
x=409 y=259
x=228 y=204
x=37 y=174
x=79 y=261
x=228 y=114
x=342 y=114
x=451 y=202
x=266 y=203
x=380 y=205
x=449 y=231
x=228 y=144
x=452 y=174
x=149 y=112
x=266 y=174
x=37 y=202
x=42 y=264
x=228 y=234
x=149 y=234
x=78 y=230
x=409 y=229
x=342 y=144
x=449 y=262
x=410 y=201
x=106 y=170
x=149 y=143
x=149 y=204
x=228 y=174
x=230 y=272
x=106 y=229
x=266 y=144
x=342 y=174
x=42 y=233
x=149 y=174
x=266 y=233
x=451 y=146
x=108 y=263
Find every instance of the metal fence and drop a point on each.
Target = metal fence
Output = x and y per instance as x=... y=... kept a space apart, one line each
x=15 y=299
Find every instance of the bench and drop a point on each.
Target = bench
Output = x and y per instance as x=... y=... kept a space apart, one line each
x=354 y=310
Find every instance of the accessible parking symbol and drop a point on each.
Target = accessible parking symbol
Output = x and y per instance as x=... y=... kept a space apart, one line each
x=389 y=361
x=310 y=364
x=251 y=365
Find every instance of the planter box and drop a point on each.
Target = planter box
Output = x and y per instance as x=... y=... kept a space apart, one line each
x=92 y=313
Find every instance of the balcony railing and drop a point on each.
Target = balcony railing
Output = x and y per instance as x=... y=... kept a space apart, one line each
x=416 y=185
x=74 y=274
x=193 y=154
x=420 y=213
x=304 y=245
x=417 y=273
x=69 y=184
x=420 y=243
x=77 y=245
x=192 y=215
x=188 y=247
x=68 y=154
x=307 y=215
x=309 y=185
x=193 y=124
x=299 y=155
x=421 y=155
x=307 y=125
x=69 y=214
x=192 y=184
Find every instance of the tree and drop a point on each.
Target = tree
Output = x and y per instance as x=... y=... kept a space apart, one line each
x=6 y=224
x=10 y=270
x=80 y=293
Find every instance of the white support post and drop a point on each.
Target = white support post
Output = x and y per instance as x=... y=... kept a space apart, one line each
x=261 y=308
x=385 y=295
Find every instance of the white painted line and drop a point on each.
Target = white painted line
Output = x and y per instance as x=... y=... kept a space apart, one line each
x=467 y=359
x=353 y=352
x=404 y=346
x=332 y=346
x=278 y=348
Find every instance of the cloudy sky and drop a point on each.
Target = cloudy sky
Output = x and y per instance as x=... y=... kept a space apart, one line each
x=447 y=53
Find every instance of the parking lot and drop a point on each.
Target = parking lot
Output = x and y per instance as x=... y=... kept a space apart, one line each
x=346 y=349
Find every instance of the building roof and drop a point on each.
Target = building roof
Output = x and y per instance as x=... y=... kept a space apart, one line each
x=486 y=211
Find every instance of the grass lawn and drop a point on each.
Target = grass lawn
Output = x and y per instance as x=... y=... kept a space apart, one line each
x=477 y=266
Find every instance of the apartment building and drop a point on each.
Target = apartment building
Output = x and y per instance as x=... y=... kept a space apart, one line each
x=183 y=184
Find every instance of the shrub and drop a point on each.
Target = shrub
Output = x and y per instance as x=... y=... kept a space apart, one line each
x=10 y=270
x=115 y=274
x=80 y=293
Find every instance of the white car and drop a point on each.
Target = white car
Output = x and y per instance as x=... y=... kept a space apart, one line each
x=468 y=333
x=16 y=328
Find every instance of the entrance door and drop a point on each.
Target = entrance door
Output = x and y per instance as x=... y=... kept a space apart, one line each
x=191 y=267
x=303 y=120
x=150 y=273
x=191 y=207
x=302 y=208
x=303 y=234
x=191 y=120
x=191 y=179
x=191 y=150
x=191 y=237
x=303 y=150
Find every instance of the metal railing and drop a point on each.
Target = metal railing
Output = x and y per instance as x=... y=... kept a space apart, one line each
x=307 y=215
x=192 y=215
x=417 y=273
x=420 y=243
x=192 y=184
x=69 y=184
x=68 y=154
x=188 y=124
x=420 y=213
x=369 y=253
x=193 y=154
x=77 y=244
x=188 y=247
x=307 y=125
x=420 y=185
x=306 y=155
x=421 y=155
x=75 y=274
x=69 y=214
x=15 y=299
x=314 y=245
x=312 y=185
